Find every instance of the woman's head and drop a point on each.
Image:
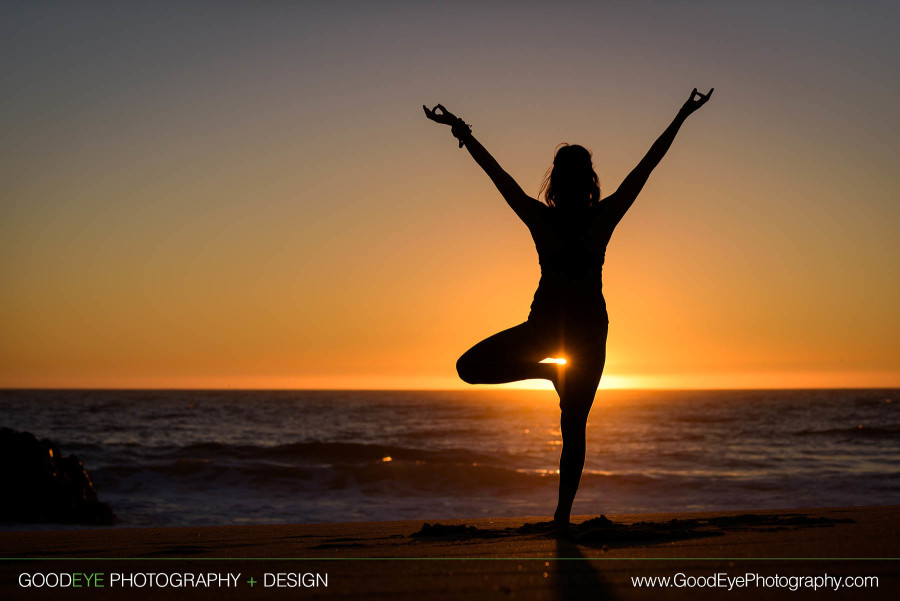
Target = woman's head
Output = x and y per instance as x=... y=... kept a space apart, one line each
x=571 y=182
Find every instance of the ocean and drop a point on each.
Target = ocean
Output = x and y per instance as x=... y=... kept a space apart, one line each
x=187 y=458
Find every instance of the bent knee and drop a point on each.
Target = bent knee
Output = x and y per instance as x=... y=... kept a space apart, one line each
x=467 y=369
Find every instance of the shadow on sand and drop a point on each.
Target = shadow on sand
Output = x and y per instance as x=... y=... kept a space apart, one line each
x=601 y=532
x=575 y=577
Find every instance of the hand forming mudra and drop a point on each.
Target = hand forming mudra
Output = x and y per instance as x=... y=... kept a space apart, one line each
x=459 y=128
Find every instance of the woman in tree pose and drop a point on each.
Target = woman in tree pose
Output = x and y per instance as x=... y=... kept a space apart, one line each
x=568 y=317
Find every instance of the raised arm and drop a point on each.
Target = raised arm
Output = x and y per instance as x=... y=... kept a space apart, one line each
x=621 y=200
x=524 y=206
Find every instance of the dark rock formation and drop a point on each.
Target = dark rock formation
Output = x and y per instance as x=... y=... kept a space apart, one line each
x=41 y=486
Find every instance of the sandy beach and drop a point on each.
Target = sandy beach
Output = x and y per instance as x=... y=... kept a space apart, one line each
x=521 y=558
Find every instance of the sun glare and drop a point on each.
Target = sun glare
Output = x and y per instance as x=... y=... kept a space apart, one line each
x=558 y=360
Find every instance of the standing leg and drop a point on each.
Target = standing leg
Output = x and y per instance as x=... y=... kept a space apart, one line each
x=576 y=395
x=509 y=356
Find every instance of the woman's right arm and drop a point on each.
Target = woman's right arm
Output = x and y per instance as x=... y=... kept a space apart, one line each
x=527 y=208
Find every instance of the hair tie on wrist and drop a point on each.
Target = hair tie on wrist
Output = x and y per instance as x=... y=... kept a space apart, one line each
x=461 y=130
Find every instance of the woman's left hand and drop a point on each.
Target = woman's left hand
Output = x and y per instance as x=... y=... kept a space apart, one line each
x=692 y=105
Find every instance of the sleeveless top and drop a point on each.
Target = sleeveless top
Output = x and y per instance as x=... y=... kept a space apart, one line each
x=571 y=246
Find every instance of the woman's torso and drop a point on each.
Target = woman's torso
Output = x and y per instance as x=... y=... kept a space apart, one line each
x=571 y=246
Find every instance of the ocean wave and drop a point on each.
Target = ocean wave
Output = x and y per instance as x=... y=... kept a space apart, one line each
x=333 y=452
x=391 y=478
x=860 y=431
x=394 y=477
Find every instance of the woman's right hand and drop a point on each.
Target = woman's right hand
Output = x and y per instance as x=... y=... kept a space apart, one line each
x=445 y=117
x=461 y=130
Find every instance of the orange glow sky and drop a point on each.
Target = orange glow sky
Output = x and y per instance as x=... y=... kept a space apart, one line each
x=242 y=195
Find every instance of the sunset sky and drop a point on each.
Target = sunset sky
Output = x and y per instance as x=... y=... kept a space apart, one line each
x=249 y=195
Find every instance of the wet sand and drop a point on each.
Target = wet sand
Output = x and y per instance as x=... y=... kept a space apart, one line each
x=517 y=558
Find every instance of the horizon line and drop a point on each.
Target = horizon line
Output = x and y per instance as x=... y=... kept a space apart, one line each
x=474 y=388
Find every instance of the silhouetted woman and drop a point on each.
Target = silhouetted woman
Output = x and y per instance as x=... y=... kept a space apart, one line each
x=568 y=317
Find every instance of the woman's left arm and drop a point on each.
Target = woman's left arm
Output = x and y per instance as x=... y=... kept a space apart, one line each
x=622 y=199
